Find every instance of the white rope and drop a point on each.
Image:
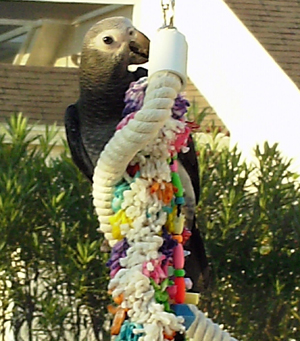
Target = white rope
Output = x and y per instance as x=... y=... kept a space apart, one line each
x=203 y=329
x=162 y=89
x=120 y=150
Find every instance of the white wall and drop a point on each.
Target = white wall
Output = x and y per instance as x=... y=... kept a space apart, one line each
x=251 y=94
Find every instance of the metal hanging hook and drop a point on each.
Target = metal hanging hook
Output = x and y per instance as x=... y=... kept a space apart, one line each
x=168 y=8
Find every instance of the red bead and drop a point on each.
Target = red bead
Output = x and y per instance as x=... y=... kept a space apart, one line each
x=180 y=293
x=131 y=170
x=186 y=234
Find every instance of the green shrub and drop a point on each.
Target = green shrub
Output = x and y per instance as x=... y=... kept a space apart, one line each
x=51 y=266
x=250 y=216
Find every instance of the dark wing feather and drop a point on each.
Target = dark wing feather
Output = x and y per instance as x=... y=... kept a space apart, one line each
x=139 y=73
x=190 y=163
x=197 y=262
x=78 y=152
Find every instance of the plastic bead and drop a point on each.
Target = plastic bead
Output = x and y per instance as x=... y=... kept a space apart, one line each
x=179 y=273
x=172 y=291
x=170 y=220
x=116 y=204
x=113 y=272
x=191 y=298
x=177 y=183
x=185 y=311
x=119 y=299
x=169 y=336
x=154 y=187
x=178 y=257
x=170 y=271
x=116 y=220
x=179 y=201
x=118 y=320
x=112 y=309
x=186 y=235
x=168 y=209
x=180 y=292
x=168 y=193
x=177 y=237
x=161 y=293
x=127 y=332
x=179 y=224
x=188 y=283
x=132 y=170
x=174 y=166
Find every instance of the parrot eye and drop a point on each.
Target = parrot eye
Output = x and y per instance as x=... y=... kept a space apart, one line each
x=108 y=40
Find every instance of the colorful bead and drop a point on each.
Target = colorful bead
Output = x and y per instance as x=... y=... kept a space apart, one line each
x=179 y=201
x=116 y=221
x=174 y=166
x=128 y=331
x=185 y=311
x=118 y=321
x=191 y=298
x=177 y=237
x=180 y=292
x=177 y=184
x=179 y=273
x=178 y=257
x=178 y=224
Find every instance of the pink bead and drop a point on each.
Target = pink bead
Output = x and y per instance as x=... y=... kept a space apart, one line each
x=172 y=291
x=178 y=257
x=174 y=166
x=114 y=272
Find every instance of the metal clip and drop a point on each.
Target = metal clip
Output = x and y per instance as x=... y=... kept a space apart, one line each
x=168 y=8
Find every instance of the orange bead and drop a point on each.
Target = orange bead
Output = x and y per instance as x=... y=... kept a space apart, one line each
x=112 y=309
x=119 y=299
x=154 y=188
x=118 y=321
x=159 y=194
x=168 y=193
x=177 y=237
x=169 y=337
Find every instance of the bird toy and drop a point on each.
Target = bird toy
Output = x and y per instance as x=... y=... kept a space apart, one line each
x=140 y=181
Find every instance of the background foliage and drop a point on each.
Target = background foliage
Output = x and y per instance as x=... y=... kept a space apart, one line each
x=251 y=220
x=51 y=266
x=52 y=272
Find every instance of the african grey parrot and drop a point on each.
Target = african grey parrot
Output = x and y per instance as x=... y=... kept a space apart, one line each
x=109 y=47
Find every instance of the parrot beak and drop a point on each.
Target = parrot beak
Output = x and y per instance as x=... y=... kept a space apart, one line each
x=139 y=49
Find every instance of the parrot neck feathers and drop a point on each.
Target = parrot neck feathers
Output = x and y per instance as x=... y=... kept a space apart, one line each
x=103 y=83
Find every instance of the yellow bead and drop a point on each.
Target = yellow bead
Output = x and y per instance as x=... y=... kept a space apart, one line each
x=178 y=224
x=116 y=220
x=170 y=221
x=191 y=298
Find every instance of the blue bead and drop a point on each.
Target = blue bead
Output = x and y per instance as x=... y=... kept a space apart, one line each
x=184 y=311
x=167 y=209
x=180 y=201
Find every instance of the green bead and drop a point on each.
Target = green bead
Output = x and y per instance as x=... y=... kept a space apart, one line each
x=179 y=273
x=177 y=183
x=170 y=271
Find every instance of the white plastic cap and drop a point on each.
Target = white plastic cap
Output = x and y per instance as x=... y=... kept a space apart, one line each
x=168 y=52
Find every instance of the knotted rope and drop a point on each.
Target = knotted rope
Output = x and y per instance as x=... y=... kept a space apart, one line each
x=133 y=285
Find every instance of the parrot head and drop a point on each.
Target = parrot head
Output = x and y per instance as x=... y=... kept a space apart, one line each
x=117 y=39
